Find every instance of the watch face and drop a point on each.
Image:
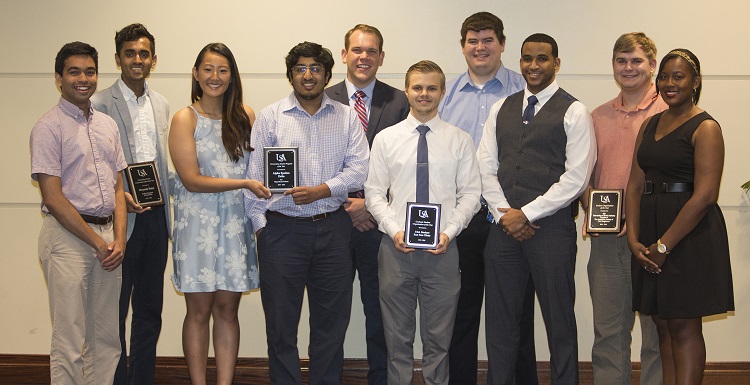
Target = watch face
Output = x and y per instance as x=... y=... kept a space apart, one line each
x=661 y=248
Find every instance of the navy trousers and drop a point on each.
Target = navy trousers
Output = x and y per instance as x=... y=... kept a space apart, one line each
x=143 y=287
x=365 y=247
x=294 y=255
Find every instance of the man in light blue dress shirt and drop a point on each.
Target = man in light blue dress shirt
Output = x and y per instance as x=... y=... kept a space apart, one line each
x=466 y=105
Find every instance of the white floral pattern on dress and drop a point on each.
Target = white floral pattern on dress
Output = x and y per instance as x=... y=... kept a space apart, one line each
x=213 y=244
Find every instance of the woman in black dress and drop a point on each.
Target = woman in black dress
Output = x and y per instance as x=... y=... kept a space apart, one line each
x=678 y=237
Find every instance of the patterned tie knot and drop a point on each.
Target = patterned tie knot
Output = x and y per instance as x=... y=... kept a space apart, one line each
x=360 y=94
x=422 y=129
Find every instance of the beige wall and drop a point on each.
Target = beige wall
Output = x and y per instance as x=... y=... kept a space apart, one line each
x=261 y=34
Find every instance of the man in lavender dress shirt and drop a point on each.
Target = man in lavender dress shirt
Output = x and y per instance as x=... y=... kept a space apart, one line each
x=76 y=157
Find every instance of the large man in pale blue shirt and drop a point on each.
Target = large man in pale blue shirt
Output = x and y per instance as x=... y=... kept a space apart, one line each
x=304 y=234
x=466 y=105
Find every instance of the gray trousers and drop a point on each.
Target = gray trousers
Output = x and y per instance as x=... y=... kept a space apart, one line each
x=548 y=258
x=612 y=296
x=433 y=281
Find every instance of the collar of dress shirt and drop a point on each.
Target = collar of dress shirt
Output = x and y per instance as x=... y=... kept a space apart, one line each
x=502 y=76
x=435 y=123
x=351 y=89
x=542 y=96
x=291 y=103
x=127 y=92
x=72 y=110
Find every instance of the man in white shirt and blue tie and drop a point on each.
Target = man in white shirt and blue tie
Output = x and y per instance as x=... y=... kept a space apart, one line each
x=409 y=275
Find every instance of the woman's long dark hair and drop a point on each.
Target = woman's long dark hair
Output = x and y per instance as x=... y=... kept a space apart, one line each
x=235 y=124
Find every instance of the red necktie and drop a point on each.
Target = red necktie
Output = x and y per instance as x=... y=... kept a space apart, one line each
x=359 y=106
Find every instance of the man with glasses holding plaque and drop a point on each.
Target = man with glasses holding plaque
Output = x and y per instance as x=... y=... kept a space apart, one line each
x=616 y=124
x=142 y=117
x=304 y=233
x=423 y=188
x=378 y=106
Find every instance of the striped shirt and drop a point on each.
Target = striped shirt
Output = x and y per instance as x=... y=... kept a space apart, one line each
x=332 y=149
x=85 y=153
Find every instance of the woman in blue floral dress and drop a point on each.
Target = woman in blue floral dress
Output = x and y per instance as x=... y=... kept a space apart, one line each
x=213 y=245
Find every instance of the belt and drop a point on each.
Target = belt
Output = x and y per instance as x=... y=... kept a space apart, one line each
x=313 y=218
x=650 y=187
x=96 y=220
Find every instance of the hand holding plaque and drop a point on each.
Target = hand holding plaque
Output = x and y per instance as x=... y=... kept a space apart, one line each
x=143 y=182
x=605 y=211
x=422 y=230
x=281 y=166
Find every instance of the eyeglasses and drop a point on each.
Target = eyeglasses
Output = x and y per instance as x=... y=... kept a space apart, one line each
x=301 y=69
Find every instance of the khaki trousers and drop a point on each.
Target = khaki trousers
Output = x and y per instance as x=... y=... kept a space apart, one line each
x=83 y=302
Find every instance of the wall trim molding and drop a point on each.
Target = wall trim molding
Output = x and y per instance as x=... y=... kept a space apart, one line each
x=21 y=369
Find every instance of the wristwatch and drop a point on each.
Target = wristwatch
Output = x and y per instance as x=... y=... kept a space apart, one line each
x=660 y=247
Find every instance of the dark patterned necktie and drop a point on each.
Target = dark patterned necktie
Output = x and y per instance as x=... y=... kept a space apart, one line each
x=528 y=113
x=423 y=171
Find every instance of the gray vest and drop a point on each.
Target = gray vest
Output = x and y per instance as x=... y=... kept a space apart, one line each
x=532 y=156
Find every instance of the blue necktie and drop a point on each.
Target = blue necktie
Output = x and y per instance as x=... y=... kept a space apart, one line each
x=423 y=171
x=528 y=113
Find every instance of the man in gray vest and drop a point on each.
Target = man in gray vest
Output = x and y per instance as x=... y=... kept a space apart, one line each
x=535 y=157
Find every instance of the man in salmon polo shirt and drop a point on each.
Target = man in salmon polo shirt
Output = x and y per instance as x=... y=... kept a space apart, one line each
x=616 y=125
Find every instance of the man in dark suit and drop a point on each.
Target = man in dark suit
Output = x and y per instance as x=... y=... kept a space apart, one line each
x=378 y=106
x=142 y=117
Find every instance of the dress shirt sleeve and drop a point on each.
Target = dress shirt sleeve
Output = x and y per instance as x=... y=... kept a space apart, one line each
x=468 y=189
x=580 y=156
x=120 y=161
x=354 y=170
x=487 y=157
x=376 y=189
x=45 y=144
x=260 y=138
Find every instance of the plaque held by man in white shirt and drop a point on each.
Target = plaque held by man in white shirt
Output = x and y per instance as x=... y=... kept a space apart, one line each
x=143 y=182
x=422 y=229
